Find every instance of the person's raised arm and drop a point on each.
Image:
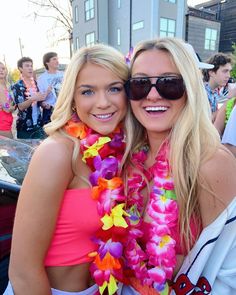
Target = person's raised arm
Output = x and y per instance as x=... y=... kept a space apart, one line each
x=219 y=122
x=31 y=99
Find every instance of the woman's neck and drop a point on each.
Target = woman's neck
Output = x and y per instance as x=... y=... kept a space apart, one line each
x=155 y=141
x=3 y=83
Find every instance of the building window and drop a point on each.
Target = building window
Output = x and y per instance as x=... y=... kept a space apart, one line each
x=90 y=39
x=89 y=9
x=118 y=3
x=171 y=1
x=167 y=27
x=138 y=25
x=210 y=39
x=76 y=14
x=77 y=43
x=118 y=36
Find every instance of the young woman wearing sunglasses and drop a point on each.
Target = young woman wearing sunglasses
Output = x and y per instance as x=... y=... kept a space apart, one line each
x=181 y=181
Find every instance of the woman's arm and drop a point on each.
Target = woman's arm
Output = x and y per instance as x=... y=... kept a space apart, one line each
x=219 y=122
x=218 y=186
x=49 y=174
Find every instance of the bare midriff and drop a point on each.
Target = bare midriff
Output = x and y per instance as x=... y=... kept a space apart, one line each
x=73 y=278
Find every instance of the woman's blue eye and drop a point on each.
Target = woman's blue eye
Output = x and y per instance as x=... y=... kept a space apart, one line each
x=87 y=92
x=115 y=89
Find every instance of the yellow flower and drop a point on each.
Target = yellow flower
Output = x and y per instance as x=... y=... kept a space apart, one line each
x=92 y=151
x=115 y=218
x=164 y=241
x=112 y=286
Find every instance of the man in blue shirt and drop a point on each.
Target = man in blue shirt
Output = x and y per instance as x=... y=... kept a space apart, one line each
x=217 y=78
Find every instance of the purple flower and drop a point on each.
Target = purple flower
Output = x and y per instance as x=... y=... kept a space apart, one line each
x=114 y=248
x=106 y=168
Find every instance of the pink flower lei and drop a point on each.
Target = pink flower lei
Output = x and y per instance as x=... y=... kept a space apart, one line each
x=153 y=263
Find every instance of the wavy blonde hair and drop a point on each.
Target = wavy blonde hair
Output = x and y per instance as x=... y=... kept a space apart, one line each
x=98 y=54
x=193 y=138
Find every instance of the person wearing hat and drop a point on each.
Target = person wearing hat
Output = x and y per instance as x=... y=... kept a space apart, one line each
x=201 y=65
x=216 y=78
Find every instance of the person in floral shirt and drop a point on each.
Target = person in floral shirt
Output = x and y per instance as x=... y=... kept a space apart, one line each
x=28 y=100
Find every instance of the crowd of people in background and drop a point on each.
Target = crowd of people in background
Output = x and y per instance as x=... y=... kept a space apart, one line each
x=33 y=98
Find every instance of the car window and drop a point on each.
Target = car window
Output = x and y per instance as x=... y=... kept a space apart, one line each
x=15 y=156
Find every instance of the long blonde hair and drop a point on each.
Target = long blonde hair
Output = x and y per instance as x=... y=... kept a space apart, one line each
x=99 y=54
x=193 y=138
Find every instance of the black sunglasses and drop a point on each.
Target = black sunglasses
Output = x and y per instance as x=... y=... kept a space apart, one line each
x=169 y=87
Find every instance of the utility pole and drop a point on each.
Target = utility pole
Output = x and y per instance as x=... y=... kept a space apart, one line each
x=130 y=24
x=220 y=2
x=21 y=47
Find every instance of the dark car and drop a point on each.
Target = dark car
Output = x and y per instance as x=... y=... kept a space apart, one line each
x=14 y=159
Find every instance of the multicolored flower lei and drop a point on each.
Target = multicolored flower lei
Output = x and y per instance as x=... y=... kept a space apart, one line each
x=103 y=155
x=9 y=100
x=153 y=261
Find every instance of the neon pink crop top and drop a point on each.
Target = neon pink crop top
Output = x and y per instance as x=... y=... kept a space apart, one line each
x=77 y=223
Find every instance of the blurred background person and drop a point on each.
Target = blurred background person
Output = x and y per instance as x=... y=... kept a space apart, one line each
x=28 y=101
x=50 y=81
x=229 y=135
x=225 y=110
x=6 y=104
x=217 y=78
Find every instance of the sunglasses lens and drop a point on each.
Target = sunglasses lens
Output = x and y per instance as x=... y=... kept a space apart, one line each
x=171 y=88
x=138 y=88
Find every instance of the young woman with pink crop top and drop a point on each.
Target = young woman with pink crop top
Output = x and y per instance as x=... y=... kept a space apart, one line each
x=179 y=177
x=6 y=104
x=64 y=237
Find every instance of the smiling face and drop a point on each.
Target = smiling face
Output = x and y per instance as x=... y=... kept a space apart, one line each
x=155 y=113
x=100 y=98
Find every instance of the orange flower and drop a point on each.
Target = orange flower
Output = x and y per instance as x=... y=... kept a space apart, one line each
x=108 y=262
x=113 y=183
x=76 y=129
x=105 y=184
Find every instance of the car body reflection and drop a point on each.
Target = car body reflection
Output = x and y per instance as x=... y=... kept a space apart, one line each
x=15 y=156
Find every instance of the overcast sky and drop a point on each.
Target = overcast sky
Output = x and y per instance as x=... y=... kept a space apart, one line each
x=195 y=2
x=34 y=35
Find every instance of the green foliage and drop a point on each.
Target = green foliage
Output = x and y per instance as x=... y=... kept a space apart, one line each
x=233 y=73
x=14 y=76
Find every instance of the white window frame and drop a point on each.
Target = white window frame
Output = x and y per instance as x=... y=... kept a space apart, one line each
x=138 y=25
x=171 y=1
x=90 y=39
x=118 y=37
x=167 y=32
x=77 y=43
x=89 y=9
x=76 y=14
x=210 y=39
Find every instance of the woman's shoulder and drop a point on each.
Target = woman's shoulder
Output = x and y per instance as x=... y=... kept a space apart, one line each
x=219 y=172
x=217 y=184
x=222 y=159
x=55 y=149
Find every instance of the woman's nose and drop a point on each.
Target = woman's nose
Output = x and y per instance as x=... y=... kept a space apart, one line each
x=103 y=100
x=153 y=94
